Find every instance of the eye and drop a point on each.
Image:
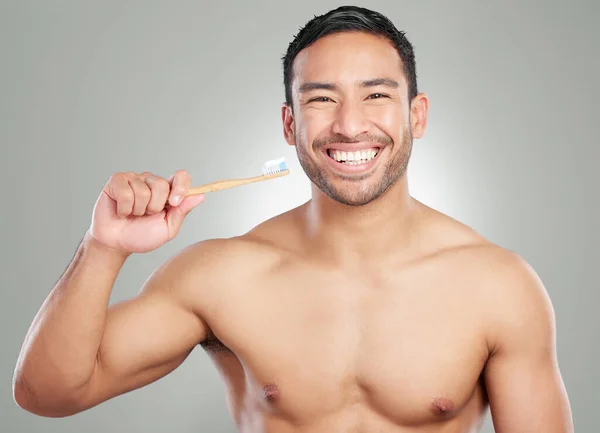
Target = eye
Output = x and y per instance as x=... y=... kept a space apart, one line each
x=320 y=99
x=377 y=96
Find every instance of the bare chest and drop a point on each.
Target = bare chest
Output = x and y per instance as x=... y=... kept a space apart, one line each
x=408 y=348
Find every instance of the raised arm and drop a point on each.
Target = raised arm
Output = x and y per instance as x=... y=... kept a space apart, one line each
x=522 y=376
x=78 y=352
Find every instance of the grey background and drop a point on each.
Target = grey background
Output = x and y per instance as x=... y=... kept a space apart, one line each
x=91 y=88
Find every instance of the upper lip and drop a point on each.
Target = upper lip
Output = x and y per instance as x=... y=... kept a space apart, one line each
x=352 y=147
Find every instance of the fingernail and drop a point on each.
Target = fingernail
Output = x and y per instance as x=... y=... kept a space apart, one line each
x=176 y=200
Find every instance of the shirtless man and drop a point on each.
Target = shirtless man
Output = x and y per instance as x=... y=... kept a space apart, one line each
x=362 y=310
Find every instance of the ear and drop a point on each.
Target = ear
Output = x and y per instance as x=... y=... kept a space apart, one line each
x=419 y=110
x=287 y=118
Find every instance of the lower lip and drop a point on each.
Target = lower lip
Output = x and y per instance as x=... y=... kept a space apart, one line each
x=352 y=168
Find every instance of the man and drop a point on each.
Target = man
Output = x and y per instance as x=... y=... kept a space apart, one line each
x=361 y=310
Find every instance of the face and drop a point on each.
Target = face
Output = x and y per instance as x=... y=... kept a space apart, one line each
x=351 y=120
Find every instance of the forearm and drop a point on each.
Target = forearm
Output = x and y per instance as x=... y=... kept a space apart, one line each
x=60 y=351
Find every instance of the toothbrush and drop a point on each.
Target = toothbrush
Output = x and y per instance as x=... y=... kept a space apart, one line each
x=271 y=169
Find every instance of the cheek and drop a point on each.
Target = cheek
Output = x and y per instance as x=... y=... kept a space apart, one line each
x=300 y=136
x=314 y=123
x=318 y=118
x=389 y=115
x=389 y=119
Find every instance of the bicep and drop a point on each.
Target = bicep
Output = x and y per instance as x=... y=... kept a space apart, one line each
x=522 y=377
x=146 y=337
x=526 y=393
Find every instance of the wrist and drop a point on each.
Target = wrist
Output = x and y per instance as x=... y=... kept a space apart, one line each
x=93 y=246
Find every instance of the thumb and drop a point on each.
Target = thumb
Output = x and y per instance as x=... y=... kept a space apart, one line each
x=176 y=214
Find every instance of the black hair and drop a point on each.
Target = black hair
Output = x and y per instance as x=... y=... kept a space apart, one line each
x=350 y=19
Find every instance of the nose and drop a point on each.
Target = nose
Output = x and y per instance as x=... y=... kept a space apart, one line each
x=350 y=120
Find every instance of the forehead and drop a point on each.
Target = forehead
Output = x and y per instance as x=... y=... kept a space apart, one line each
x=346 y=58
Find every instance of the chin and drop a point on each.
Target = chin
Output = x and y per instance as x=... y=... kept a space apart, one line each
x=351 y=198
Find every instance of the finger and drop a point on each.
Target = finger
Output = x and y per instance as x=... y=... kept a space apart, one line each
x=159 y=193
x=180 y=185
x=119 y=190
x=141 y=195
x=189 y=203
x=176 y=215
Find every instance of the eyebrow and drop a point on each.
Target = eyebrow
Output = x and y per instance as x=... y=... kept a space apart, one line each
x=387 y=82
x=315 y=85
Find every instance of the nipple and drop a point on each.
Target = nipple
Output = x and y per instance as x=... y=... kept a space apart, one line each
x=442 y=406
x=271 y=392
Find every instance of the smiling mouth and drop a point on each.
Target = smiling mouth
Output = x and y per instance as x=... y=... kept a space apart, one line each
x=353 y=158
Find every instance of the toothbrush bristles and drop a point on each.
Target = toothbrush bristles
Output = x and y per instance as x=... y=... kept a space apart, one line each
x=274 y=166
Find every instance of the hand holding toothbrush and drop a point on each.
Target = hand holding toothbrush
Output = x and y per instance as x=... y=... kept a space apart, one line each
x=137 y=213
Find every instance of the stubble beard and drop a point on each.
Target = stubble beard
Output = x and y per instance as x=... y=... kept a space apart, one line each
x=359 y=190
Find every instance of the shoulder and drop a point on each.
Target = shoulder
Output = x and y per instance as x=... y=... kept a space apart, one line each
x=203 y=275
x=222 y=261
x=505 y=281
x=219 y=259
x=513 y=302
x=497 y=271
x=511 y=298
x=505 y=278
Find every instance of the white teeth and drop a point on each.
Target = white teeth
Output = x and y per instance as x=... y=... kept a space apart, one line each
x=353 y=158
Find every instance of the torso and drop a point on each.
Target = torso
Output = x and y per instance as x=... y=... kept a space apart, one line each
x=307 y=347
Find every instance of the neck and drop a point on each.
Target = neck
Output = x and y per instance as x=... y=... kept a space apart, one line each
x=356 y=233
